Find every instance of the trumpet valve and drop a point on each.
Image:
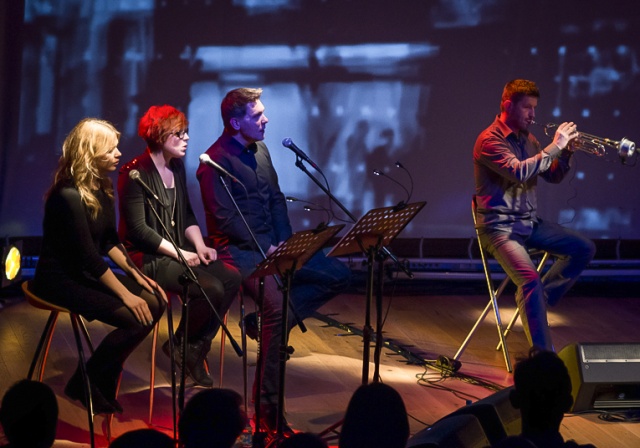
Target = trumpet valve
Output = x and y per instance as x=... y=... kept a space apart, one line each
x=588 y=145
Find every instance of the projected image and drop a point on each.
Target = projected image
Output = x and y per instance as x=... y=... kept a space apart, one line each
x=398 y=88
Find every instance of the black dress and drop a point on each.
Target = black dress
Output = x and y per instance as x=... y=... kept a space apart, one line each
x=67 y=273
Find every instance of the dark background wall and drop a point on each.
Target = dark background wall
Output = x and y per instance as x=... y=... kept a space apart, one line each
x=357 y=84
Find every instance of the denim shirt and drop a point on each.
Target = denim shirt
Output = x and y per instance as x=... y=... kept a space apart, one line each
x=506 y=169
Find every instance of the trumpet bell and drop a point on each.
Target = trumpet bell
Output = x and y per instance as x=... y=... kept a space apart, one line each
x=626 y=148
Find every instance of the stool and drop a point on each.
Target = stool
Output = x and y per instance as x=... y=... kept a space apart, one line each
x=243 y=341
x=42 y=351
x=494 y=294
x=222 y=349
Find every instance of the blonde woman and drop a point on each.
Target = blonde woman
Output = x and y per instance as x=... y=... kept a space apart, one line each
x=79 y=229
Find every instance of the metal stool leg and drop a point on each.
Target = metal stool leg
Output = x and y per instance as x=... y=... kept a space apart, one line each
x=85 y=376
x=152 y=370
x=243 y=338
x=42 y=350
x=492 y=304
x=223 y=338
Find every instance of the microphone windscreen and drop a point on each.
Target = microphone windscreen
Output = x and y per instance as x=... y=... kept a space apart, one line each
x=134 y=174
x=286 y=142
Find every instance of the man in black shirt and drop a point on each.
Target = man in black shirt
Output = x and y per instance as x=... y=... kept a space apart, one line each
x=241 y=151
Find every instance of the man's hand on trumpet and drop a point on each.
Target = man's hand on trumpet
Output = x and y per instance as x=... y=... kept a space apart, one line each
x=564 y=134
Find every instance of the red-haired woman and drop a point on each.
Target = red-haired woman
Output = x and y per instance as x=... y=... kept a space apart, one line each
x=165 y=131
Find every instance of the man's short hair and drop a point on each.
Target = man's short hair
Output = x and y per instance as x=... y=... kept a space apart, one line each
x=517 y=89
x=234 y=104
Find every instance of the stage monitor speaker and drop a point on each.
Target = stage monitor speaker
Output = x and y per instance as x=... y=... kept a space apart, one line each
x=496 y=414
x=603 y=376
x=458 y=431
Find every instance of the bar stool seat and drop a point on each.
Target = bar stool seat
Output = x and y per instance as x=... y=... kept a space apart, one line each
x=42 y=350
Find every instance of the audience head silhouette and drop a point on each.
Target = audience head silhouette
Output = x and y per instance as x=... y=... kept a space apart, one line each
x=29 y=415
x=303 y=440
x=143 y=438
x=542 y=391
x=212 y=417
x=375 y=418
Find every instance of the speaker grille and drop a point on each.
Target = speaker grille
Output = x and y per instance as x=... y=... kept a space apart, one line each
x=610 y=352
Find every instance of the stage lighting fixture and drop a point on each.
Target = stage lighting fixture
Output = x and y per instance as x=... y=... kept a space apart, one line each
x=11 y=263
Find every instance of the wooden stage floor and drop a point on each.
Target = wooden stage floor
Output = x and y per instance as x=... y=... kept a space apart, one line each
x=425 y=321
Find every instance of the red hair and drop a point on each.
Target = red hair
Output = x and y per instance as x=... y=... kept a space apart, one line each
x=158 y=123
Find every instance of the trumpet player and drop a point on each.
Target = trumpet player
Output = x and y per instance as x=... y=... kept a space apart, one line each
x=508 y=160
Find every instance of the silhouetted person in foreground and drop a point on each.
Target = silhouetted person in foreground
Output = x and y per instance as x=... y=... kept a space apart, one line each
x=542 y=392
x=143 y=438
x=304 y=440
x=375 y=418
x=212 y=418
x=29 y=415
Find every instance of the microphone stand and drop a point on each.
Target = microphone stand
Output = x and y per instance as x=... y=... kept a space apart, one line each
x=187 y=277
x=259 y=436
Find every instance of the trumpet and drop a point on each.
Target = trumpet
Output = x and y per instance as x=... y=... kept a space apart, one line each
x=592 y=144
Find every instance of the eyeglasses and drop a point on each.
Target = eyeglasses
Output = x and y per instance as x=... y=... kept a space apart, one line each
x=181 y=134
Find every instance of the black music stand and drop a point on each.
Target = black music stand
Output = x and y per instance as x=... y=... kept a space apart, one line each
x=284 y=261
x=376 y=229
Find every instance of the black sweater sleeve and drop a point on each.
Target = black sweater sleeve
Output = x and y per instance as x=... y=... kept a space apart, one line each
x=71 y=236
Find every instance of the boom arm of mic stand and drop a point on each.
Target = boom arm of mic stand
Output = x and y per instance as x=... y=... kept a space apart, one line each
x=386 y=252
x=192 y=277
x=301 y=324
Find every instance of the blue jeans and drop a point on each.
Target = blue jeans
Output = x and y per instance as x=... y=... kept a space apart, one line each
x=572 y=253
x=314 y=284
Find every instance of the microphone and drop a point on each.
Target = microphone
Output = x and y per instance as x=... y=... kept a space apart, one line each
x=288 y=143
x=312 y=207
x=135 y=176
x=204 y=158
x=401 y=204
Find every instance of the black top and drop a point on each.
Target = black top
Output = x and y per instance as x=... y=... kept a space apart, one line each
x=262 y=203
x=139 y=228
x=73 y=243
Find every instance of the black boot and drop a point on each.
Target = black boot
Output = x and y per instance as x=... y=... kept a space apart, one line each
x=196 y=353
x=250 y=326
x=75 y=390
x=107 y=382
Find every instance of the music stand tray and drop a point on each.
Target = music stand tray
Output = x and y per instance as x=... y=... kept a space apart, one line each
x=377 y=228
x=295 y=252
